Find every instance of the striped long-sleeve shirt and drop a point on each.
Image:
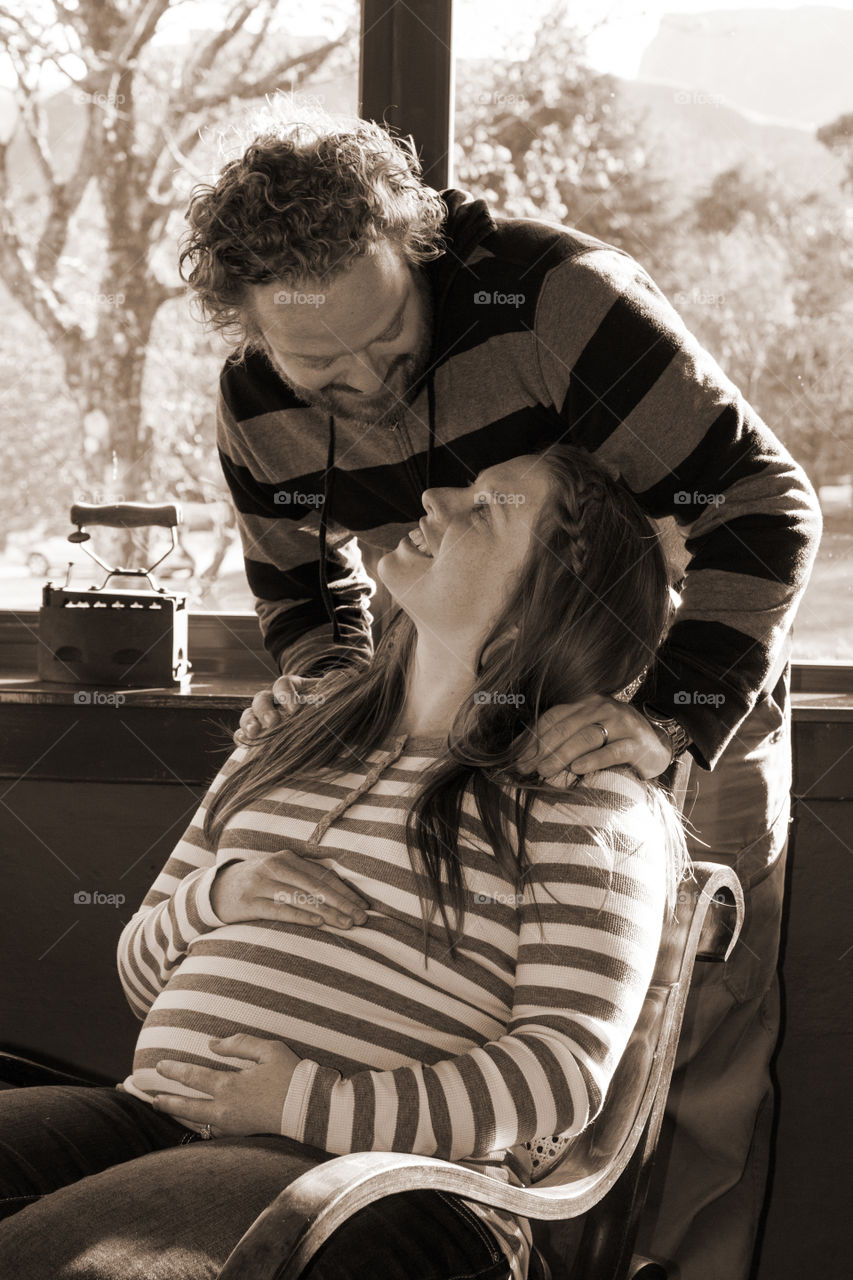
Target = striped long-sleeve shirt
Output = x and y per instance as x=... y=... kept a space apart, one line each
x=469 y=1061
x=541 y=334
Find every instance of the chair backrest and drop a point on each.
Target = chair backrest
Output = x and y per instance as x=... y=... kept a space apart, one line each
x=694 y=933
x=637 y=1079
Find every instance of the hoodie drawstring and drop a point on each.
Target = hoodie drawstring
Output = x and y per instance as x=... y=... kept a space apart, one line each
x=328 y=485
x=431 y=400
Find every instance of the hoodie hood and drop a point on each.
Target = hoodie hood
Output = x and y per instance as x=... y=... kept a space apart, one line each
x=467 y=224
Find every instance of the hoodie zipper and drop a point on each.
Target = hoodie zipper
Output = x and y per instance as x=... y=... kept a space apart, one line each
x=406 y=451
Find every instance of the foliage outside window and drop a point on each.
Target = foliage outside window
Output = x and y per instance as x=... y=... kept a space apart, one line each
x=111 y=115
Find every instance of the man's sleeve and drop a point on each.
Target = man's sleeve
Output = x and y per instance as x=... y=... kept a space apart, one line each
x=280 y=535
x=638 y=390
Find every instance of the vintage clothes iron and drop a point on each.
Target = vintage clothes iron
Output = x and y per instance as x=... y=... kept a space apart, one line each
x=126 y=639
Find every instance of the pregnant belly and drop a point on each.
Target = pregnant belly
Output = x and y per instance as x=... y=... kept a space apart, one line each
x=281 y=985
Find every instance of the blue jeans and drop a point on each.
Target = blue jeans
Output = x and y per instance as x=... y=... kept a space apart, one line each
x=708 y=1181
x=96 y=1185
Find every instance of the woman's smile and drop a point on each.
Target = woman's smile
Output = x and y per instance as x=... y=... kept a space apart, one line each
x=416 y=539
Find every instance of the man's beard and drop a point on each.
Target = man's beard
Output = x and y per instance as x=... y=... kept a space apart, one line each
x=389 y=407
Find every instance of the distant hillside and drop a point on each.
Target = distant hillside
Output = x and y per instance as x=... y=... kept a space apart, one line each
x=789 y=65
x=695 y=140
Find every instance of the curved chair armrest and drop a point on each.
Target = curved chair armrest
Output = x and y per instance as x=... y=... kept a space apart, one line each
x=283 y=1239
x=720 y=928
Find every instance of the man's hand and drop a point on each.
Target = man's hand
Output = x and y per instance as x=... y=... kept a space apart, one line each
x=241 y=1102
x=272 y=705
x=570 y=737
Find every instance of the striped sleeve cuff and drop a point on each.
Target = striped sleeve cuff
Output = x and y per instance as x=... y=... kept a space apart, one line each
x=307 y=1080
x=193 y=906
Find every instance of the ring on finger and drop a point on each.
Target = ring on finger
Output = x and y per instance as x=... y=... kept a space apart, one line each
x=598 y=725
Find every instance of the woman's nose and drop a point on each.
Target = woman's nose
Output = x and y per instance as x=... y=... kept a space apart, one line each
x=441 y=503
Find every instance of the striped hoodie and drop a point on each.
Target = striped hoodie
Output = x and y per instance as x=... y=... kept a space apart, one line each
x=469 y=1061
x=541 y=334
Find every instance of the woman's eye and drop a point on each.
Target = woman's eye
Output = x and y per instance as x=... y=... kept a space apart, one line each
x=480 y=509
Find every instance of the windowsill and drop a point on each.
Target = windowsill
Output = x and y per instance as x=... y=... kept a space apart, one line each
x=230 y=665
x=215 y=692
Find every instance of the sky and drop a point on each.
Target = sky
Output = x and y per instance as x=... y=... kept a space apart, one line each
x=619 y=30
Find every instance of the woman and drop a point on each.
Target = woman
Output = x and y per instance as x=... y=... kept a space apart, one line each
x=497 y=938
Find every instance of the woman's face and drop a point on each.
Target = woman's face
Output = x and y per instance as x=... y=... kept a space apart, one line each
x=478 y=538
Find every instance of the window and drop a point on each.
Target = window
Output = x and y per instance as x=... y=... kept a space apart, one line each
x=107 y=380
x=712 y=145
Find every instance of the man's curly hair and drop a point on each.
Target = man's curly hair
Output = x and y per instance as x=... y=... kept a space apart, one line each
x=301 y=204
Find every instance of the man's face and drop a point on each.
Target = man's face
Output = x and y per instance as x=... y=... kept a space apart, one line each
x=356 y=345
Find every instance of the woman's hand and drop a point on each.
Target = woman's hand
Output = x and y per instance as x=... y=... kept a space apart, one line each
x=570 y=737
x=272 y=705
x=241 y=1102
x=284 y=886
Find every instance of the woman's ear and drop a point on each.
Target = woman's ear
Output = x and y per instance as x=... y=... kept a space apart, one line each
x=505 y=638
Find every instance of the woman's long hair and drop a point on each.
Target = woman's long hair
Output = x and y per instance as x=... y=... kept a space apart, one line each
x=587 y=613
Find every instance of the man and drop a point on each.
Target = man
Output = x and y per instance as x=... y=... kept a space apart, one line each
x=391 y=338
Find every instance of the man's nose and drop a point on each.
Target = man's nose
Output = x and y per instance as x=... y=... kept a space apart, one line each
x=365 y=374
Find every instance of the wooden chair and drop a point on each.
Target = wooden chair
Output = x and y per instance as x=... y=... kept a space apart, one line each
x=603 y=1174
